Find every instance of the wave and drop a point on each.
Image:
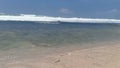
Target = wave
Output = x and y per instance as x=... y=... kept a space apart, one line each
x=48 y=19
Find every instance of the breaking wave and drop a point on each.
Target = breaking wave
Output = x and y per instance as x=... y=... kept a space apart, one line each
x=48 y=19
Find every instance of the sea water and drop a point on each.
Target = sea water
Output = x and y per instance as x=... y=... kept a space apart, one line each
x=25 y=39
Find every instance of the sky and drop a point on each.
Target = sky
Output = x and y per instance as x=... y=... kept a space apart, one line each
x=63 y=8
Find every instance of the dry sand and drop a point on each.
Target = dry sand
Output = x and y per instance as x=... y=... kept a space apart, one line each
x=107 y=56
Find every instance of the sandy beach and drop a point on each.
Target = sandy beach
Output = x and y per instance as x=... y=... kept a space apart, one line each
x=60 y=34
x=107 y=56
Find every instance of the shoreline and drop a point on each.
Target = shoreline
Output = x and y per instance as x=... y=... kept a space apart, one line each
x=97 y=57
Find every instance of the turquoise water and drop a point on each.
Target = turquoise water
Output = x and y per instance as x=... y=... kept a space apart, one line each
x=31 y=34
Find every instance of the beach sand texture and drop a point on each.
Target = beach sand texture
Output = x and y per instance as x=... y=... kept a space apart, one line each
x=107 y=56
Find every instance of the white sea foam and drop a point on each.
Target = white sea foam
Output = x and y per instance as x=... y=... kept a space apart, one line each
x=49 y=19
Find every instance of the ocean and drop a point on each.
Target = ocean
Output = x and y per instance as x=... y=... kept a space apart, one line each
x=27 y=39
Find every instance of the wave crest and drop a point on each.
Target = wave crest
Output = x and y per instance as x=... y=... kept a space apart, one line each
x=48 y=19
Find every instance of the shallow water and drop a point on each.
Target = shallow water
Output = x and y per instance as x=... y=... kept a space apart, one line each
x=27 y=39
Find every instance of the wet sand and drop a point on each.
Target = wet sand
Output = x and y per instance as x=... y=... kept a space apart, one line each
x=105 y=56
